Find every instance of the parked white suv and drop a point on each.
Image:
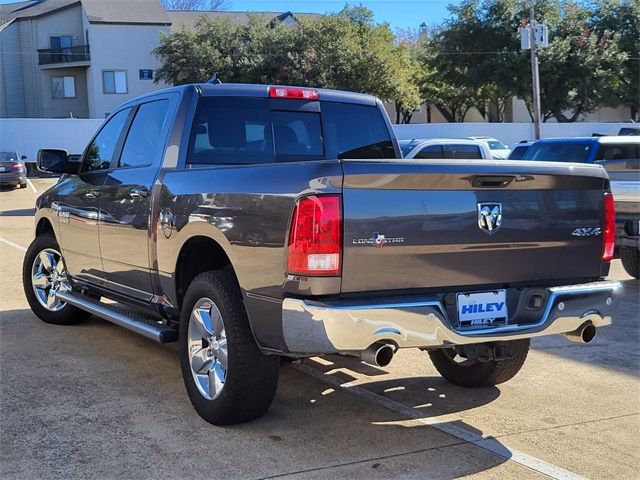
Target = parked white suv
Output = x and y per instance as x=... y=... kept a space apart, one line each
x=499 y=150
x=444 y=148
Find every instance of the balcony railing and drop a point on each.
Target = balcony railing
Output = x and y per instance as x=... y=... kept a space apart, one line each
x=77 y=53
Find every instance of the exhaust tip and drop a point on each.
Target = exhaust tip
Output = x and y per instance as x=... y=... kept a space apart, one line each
x=378 y=355
x=588 y=333
x=584 y=334
x=384 y=355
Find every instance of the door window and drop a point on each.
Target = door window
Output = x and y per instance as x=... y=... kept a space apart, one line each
x=463 y=151
x=104 y=145
x=430 y=152
x=144 y=140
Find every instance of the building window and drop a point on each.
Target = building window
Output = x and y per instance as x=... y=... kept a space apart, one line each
x=62 y=41
x=114 y=81
x=63 y=87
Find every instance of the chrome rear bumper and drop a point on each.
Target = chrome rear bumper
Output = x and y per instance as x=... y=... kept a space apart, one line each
x=311 y=327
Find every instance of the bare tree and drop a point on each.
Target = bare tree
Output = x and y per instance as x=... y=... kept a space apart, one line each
x=205 y=5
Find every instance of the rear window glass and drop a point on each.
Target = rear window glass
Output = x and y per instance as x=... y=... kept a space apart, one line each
x=355 y=131
x=496 y=145
x=8 y=156
x=518 y=152
x=622 y=161
x=559 y=152
x=237 y=131
x=231 y=131
x=297 y=134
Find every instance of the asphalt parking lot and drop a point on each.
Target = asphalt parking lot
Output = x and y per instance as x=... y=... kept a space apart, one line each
x=97 y=401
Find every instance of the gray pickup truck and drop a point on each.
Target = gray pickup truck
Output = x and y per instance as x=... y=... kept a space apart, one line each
x=255 y=223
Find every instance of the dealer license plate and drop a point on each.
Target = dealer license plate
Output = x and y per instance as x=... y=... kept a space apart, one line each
x=485 y=309
x=3 y=169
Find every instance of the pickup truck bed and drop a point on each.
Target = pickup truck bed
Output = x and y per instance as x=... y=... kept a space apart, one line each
x=252 y=222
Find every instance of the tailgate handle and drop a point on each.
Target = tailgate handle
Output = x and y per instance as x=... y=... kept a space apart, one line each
x=495 y=181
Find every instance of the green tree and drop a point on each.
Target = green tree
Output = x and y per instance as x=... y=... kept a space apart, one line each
x=579 y=68
x=474 y=58
x=622 y=18
x=344 y=50
x=193 y=56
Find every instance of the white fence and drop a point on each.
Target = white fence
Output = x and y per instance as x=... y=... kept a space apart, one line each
x=508 y=133
x=27 y=135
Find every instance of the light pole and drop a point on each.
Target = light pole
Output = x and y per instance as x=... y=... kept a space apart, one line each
x=535 y=76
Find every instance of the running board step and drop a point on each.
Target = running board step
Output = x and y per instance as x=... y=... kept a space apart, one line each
x=123 y=317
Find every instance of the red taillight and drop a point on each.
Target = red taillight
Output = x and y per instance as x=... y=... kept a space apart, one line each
x=16 y=165
x=315 y=239
x=609 y=230
x=293 y=92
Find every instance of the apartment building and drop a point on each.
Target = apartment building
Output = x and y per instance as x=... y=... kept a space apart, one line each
x=77 y=58
x=82 y=58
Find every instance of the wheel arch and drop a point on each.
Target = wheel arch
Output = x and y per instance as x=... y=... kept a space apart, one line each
x=198 y=254
x=44 y=226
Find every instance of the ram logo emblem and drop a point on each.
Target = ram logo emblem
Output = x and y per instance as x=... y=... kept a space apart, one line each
x=489 y=216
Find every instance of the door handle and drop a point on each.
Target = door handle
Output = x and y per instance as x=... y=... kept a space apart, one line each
x=139 y=193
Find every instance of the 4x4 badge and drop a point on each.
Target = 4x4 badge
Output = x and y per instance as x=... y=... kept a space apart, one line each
x=489 y=216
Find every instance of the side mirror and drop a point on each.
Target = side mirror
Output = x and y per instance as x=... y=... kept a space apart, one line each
x=52 y=160
x=23 y=157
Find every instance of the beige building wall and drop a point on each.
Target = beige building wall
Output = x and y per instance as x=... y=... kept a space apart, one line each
x=121 y=47
x=27 y=87
x=11 y=77
x=77 y=107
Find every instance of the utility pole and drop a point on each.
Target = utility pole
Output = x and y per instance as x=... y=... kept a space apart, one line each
x=535 y=76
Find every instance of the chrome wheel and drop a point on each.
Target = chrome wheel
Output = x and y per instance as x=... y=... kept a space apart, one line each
x=207 y=347
x=48 y=277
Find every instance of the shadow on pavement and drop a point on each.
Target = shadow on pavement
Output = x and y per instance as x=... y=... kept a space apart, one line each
x=95 y=401
x=615 y=346
x=23 y=212
x=432 y=396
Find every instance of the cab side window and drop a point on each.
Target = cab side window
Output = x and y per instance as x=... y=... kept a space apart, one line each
x=465 y=152
x=144 y=141
x=431 y=152
x=103 y=147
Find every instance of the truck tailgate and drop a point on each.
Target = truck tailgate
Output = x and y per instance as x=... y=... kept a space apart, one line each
x=411 y=224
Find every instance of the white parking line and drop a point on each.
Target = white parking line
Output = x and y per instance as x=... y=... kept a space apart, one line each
x=32 y=186
x=449 y=428
x=11 y=244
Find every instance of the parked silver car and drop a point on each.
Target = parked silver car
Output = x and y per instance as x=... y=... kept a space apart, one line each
x=12 y=169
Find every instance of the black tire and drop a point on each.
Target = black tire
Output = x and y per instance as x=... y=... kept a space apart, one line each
x=68 y=315
x=630 y=257
x=251 y=378
x=23 y=185
x=481 y=374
